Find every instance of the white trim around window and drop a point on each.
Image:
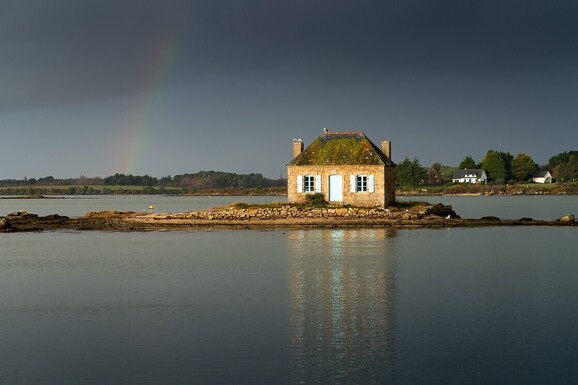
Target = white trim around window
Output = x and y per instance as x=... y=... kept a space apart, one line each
x=361 y=183
x=309 y=183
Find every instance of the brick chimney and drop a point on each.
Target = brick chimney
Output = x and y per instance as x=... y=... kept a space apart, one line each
x=386 y=148
x=298 y=147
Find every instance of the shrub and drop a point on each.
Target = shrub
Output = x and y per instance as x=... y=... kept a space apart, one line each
x=315 y=200
x=239 y=205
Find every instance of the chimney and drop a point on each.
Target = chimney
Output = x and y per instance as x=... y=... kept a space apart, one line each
x=297 y=147
x=386 y=148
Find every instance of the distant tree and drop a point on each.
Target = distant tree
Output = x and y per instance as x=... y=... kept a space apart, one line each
x=437 y=167
x=523 y=167
x=569 y=170
x=46 y=180
x=468 y=162
x=498 y=165
x=563 y=165
x=418 y=173
x=403 y=173
x=561 y=158
x=494 y=166
x=446 y=173
x=410 y=173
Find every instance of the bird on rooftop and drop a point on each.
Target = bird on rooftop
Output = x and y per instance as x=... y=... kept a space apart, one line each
x=325 y=130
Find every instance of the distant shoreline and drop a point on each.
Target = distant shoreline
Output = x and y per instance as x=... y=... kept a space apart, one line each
x=452 y=189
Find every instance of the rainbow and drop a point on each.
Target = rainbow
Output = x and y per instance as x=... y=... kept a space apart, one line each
x=133 y=142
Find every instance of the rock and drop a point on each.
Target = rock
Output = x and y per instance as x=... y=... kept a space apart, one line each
x=490 y=218
x=107 y=214
x=5 y=225
x=566 y=218
x=441 y=210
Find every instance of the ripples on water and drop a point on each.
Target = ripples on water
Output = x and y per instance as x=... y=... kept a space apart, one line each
x=454 y=306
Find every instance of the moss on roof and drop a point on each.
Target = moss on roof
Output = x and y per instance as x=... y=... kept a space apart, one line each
x=341 y=148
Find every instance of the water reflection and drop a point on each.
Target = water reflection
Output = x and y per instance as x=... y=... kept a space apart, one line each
x=341 y=298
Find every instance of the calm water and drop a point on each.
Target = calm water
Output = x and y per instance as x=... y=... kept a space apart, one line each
x=508 y=207
x=453 y=306
x=74 y=206
x=505 y=207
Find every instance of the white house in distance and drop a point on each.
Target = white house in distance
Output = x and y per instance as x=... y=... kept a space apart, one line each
x=542 y=177
x=470 y=175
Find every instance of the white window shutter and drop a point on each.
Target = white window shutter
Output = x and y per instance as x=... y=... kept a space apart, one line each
x=317 y=183
x=299 y=183
x=353 y=183
x=370 y=183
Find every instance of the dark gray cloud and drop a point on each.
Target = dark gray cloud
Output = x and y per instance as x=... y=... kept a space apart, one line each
x=419 y=72
x=66 y=50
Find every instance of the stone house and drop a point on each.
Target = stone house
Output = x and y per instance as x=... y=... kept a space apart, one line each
x=470 y=175
x=346 y=167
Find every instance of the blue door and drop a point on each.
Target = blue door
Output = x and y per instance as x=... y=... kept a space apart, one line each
x=335 y=188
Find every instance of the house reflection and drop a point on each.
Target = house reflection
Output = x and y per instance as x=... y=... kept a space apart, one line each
x=341 y=289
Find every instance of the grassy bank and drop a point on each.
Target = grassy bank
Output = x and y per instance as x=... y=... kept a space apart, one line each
x=569 y=188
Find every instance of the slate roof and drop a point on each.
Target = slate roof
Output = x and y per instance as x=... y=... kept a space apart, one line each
x=342 y=148
x=460 y=174
x=540 y=174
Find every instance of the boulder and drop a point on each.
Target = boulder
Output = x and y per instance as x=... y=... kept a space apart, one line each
x=5 y=225
x=567 y=218
x=441 y=210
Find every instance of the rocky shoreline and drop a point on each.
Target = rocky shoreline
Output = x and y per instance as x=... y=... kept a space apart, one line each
x=283 y=216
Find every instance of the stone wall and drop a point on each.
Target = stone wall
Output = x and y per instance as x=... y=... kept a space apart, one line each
x=292 y=212
x=384 y=183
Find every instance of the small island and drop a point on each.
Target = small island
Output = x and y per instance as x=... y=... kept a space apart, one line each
x=269 y=216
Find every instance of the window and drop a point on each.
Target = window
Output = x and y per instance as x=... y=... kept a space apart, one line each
x=361 y=183
x=309 y=183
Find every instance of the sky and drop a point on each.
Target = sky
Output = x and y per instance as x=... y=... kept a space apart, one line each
x=167 y=87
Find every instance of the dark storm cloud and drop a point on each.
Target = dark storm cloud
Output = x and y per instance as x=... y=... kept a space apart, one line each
x=54 y=52
x=63 y=51
x=402 y=36
x=429 y=75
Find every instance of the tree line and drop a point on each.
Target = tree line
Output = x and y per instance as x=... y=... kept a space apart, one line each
x=203 y=180
x=500 y=167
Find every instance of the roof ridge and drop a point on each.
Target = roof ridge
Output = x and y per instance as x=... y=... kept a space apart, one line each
x=344 y=133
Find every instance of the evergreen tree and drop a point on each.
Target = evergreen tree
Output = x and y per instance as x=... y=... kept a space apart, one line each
x=468 y=162
x=410 y=173
x=403 y=173
x=418 y=173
